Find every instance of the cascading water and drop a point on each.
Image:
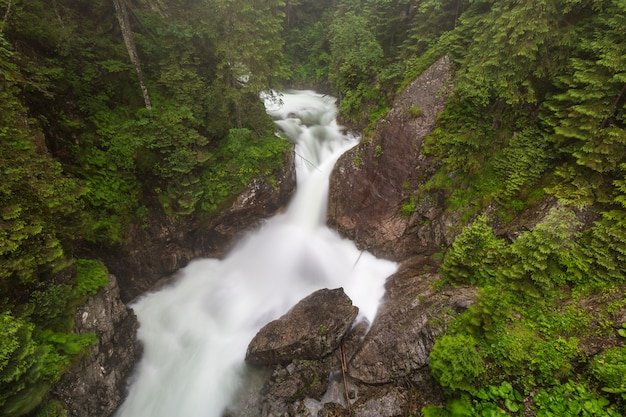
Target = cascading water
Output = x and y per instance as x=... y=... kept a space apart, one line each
x=196 y=331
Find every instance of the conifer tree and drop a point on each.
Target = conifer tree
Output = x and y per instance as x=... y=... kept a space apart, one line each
x=588 y=114
x=249 y=48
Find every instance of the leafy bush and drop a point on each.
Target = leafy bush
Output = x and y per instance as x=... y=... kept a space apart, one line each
x=572 y=399
x=21 y=384
x=474 y=254
x=241 y=157
x=456 y=363
x=49 y=307
x=51 y=409
x=609 y=368
x=458 y=407
x=498 y=400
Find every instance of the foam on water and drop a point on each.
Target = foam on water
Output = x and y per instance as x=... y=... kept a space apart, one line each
x=196 y=331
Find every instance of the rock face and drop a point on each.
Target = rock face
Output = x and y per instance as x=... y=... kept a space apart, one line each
x=411 y=316
x=310 y=330
x=97 y=384
x=370 y=182
x=168 y=244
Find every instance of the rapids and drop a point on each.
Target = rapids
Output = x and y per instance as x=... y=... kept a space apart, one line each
x=195 y=332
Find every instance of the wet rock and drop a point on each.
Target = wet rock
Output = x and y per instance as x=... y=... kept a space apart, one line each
x=412 y=314
x=371 y=182
x=333 y=410
x=294 y=389
x=385 y=402
x=97 y=384
x=312 y=329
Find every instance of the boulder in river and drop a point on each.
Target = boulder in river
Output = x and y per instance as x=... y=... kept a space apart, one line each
x=312 y=329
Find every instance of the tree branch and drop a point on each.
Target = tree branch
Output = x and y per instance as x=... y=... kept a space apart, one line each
x=614 y=107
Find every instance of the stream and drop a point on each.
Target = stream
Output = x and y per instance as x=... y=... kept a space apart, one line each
x=195 y=332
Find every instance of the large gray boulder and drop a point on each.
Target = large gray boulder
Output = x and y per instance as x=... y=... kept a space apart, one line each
x=312 y=329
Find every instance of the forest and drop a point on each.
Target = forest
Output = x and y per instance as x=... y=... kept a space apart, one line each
x=111 y=109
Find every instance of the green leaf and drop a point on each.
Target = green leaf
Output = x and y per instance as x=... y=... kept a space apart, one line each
x=511 y=406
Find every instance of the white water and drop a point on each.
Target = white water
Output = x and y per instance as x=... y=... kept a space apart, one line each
x=196 y=331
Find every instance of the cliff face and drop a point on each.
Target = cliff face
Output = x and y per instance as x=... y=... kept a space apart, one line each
x=168 y=244
x=97 y=384
x=381 y=372
x=371 y=182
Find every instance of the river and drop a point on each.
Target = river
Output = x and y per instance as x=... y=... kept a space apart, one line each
x=195 y=332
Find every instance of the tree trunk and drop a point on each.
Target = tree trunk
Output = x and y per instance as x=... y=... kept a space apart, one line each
x=122 y=17
x=6 y=16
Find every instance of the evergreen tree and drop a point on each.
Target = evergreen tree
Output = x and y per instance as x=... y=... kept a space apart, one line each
x=249 y=50
x=356 y=56
x=588 y=111
x=473 y=255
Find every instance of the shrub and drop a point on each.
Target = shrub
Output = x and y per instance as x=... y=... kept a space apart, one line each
x=572 y=399
x=21 y=388
x=473 y=254
x=609 y=368
x=91 y=275
x=415 y=111
x=456 y=363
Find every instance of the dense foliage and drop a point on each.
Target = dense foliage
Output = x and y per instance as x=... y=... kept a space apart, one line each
x=111 y=110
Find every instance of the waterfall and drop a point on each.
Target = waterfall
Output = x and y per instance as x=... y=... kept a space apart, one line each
x=195 y=332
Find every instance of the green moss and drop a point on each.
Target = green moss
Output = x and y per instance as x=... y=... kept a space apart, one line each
x=91 y=275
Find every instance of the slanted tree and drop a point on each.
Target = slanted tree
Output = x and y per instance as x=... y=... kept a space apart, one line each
x=6 y=15
x=121 y=12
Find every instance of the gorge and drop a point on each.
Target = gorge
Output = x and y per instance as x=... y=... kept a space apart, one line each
x=212 y=303
x=491 y=173
x=195 y=331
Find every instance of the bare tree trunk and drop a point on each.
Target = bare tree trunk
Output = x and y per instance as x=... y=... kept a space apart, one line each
x=6 y=16
x=56 y=12
x=122 y=17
